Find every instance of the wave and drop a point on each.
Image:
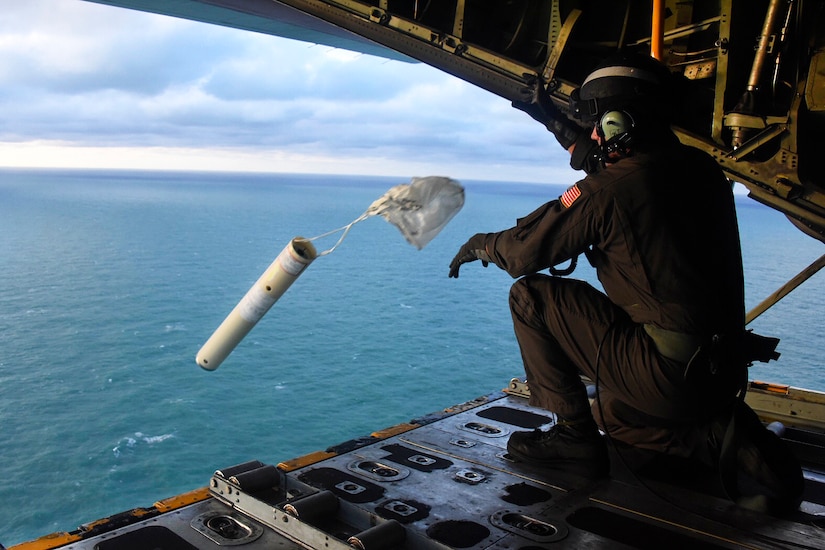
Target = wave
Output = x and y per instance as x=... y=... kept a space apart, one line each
x=129 y=444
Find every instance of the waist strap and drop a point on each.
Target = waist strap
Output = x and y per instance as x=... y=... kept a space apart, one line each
x=674 y=345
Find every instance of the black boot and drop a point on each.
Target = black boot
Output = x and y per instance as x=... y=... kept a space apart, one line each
x=577 y=448
x=757 y=469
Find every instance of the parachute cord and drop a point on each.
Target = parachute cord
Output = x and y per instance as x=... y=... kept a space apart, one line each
x=344 y=228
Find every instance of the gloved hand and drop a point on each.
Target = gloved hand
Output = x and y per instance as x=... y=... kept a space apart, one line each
x=472 y=250
x=537 y=104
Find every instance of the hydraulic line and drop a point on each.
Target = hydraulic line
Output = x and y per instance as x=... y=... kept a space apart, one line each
x=657 y=30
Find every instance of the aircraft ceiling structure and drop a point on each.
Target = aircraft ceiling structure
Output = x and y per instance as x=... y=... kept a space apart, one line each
x=262 y=16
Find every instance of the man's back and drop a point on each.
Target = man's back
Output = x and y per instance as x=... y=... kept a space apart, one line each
x=668 y=250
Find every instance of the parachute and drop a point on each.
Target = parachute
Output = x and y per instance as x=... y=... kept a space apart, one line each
x=419 y=209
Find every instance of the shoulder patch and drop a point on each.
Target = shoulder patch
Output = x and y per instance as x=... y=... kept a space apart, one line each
x=570 y=196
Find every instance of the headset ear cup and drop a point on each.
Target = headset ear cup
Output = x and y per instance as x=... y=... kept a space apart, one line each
x=616 y=129
x=613 y=124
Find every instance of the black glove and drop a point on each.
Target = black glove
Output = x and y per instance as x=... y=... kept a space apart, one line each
x=472 y=250
x=537 y=104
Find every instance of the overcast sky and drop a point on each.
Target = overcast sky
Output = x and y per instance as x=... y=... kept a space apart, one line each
x=86 y=85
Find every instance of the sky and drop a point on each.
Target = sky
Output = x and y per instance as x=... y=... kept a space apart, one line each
x=84 y=85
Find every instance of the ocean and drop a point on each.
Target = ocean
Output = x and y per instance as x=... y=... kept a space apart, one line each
x=112 y=280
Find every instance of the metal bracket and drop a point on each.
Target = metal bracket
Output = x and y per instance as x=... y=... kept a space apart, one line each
x=518 y=388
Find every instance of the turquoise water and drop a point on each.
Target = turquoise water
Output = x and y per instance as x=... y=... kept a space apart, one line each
x=111 y=282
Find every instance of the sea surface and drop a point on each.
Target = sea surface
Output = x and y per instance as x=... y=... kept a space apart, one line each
x=112 y=280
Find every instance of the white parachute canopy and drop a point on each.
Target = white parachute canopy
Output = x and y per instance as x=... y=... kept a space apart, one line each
x=419 y=210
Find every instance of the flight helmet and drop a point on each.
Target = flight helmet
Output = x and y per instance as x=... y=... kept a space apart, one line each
x=627 y=97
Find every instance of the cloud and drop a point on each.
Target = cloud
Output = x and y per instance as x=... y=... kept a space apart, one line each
x=80 y=76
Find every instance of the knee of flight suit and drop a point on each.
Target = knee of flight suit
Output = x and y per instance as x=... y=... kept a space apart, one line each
x=525 y=298
x=518 y=293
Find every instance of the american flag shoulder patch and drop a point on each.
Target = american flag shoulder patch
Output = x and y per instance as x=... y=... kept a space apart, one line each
x=570 y=196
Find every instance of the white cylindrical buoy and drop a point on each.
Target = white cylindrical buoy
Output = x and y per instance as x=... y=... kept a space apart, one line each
x=278 y=277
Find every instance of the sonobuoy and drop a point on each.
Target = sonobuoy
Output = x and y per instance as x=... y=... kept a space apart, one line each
x=271 y=285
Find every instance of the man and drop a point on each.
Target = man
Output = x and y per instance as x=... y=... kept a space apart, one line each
x=657 y=221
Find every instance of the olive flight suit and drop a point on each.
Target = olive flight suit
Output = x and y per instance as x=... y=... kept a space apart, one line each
x=660 y=229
